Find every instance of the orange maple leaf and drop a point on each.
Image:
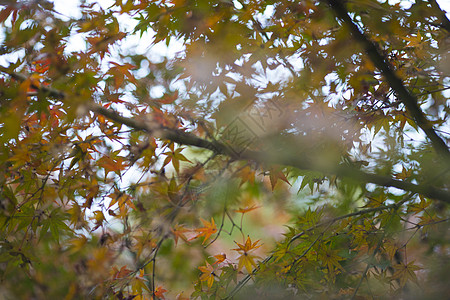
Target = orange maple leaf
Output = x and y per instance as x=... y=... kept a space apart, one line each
x=206 y=231
x=246 y=209
x=178 y=232
x=159 y=293
x=220 y=258
x=111 y=165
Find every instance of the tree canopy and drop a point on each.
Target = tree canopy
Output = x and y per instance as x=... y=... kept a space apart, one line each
x=284 y=149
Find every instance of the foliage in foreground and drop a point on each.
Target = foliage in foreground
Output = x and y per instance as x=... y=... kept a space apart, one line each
x=125 y=174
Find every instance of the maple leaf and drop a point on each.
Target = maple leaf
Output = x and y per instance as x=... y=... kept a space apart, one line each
x=119 y=72
x=168 y=98
x=246 y=209
x=207 y=274
x=111 y=165
x=175 y=157
x=123 y=272
x=428 y=219
x=159 y=293
x=246 y=259
x=220 y=258
x=376 y=201
x=405 y=272
x=276 y=174
x=247 y=174
x=78 y=243
x=76 y=215
x=419 y=207
x=206 y=231
x=331 y=258
x=404 y=174
x=121 y=199
x=178 y=232
x=413 y=41
x=99 y=218
x=391 y=248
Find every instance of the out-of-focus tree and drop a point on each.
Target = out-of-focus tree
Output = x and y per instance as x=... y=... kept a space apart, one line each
x=128 y=175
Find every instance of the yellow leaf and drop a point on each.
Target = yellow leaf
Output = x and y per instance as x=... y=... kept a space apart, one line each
x=207 y=274
x=330 y=258
x=246 y=259
x=220 y=258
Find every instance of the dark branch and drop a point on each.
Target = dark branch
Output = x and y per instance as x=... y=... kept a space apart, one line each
x=408 y=99
x=445 y=23
x=49 y=91
x=297 y=161
x=294 y=160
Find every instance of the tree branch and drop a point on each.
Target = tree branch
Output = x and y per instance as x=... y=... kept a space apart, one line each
x=408 y=99
x=293 y=160
x=445 y=22
x=20 y=77
x=297 y=161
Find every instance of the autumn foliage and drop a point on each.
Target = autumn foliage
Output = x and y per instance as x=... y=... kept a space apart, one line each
x=200 y=149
